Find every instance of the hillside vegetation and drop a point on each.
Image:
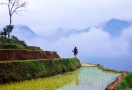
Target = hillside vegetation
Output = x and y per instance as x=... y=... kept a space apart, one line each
x=11 y=71
x=15 y=43
x=15 y=49
x=126 y=82
x=48 y=83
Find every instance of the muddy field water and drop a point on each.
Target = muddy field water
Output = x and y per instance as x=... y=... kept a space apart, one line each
x=91 y=78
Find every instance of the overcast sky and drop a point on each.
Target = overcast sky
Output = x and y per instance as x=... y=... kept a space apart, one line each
x=45 y=16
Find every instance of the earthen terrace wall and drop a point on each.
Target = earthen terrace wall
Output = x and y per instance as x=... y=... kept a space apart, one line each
x=9 y=55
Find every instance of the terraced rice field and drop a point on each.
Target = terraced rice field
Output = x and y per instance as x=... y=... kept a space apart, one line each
x=85 y=78
x=91 y=78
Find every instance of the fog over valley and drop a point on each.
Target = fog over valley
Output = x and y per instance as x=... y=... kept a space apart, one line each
x=109 y=44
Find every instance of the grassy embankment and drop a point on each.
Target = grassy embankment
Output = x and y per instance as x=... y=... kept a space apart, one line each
x=11 y=71
x=126 y=83
x=15 y=43
x=48 y=83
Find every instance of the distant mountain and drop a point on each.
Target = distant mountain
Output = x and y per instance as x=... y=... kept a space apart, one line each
x=115 y=26
x=65 y=33
x=23 y=32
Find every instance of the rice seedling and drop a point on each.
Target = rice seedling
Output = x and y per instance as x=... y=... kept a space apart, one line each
x=85 y=78
x=49 y=83
x=91 y=78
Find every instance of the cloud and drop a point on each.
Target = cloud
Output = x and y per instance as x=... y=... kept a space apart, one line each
x=95 y=43
x=126 y=34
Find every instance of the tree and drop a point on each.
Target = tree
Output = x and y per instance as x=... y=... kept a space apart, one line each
x=4 y=32
x=1 y=35
x=14 y=7
x=7 y=29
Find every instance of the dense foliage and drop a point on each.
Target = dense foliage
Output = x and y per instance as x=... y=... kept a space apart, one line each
x=126 y=82
x=6 y=30
x=15 y=43
x=12 y=43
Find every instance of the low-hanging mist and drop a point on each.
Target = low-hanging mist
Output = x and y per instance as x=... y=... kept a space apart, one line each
x=95 y=45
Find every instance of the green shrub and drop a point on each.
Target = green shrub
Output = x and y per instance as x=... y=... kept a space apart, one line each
x=126 y=82
x=128 y=79
x=122 y=85
x=20 y=47
x=22 y=42
x=13 y=40
x=32 y=48
x=9 y=46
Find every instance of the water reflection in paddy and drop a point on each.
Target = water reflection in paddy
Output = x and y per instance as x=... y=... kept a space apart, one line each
x=91 y=78
x=85 y=78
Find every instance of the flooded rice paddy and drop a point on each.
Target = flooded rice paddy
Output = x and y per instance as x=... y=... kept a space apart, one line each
x=85 y=78
x=91 y=78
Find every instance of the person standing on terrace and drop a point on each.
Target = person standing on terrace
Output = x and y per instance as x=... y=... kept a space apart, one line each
x=75 y=52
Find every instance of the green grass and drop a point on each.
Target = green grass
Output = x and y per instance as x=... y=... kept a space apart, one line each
x=19 y=46
x=126 y=82
x=16 y=44
x=12 y=41
x=93 y=77
x=28 y=69
x=49 y=83
x=33 y=48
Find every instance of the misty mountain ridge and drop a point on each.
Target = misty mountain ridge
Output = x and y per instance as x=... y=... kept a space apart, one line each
x=65 y=33
x=114 y=27
x=24 y=32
